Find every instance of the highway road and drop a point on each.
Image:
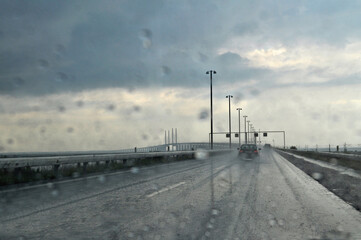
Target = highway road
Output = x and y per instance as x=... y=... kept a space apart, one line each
x=221 y=197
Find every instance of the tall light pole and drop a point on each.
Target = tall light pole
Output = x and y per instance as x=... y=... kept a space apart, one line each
x=239 y=125
x=229 y=112
x=245 y=130
x=211 y=72
x=248 y=129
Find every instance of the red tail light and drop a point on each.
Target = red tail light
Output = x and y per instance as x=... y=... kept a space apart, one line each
x=255 y=151
x=240 y=151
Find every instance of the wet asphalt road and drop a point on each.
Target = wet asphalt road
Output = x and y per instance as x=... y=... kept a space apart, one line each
x=222 y=197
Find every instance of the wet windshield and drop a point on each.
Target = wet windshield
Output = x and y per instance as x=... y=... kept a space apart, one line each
x=126 y=119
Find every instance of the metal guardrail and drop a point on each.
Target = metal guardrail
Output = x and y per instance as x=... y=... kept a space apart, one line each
x=62 y=160
x=189 y=146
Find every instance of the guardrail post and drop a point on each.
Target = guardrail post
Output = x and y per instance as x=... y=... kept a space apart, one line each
x=135 y=149
x=17 y=173
x=78 y=166
x=84 y=167
x=107 y=163
x=56 y=170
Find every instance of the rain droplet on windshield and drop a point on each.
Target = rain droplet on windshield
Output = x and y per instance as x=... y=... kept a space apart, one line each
x=333 y=161
x=111 y=107
x=18 y=82
x=255 y=92
x=43 y=64
x=80 y=103
x=61 y=109
x=61 y=77
x=201 y=154
x=317 y=175
x=101 y=179
x=203 y=114
x=10 y=141
x=145 y=36
x=166 y=70
x=70 y=129
x=134 y=170
x=215 y=212
x=136 y=108
x=55 y=193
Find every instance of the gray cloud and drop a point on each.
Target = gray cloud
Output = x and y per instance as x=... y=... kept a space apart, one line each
x=48 y=47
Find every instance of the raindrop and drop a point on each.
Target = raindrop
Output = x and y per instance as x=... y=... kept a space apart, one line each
x=215 y=212
x=295 y=216
x=145 y=137
x=136 y=108
x=111 y=107
x=238 y=98
x=134 y=170
x=60 y=49
x=61 y=77
x=273 y=204
x=212 y=220
x=333 y=161
x=255 y=92
x=166 y=70
x=201 y=154
x=145 y=36
x=101 y=179
x=10 y=141
x=18 y=81
x=209 y=226
x=80 y=103
x=43 y=64
x=317 y=175
x=130 y=234
x=207 y=234
x=42 y=129
x=2 y=148
x=145 y=228
x=203 y=114
x=272 y=222
x=61 y=109
x=50 y=185
x=281 y=222
x=55 y=193
x=202 y=57
x=70 y=129
x=75 y=174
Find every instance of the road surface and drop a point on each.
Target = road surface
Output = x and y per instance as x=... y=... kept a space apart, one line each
x=221 y=197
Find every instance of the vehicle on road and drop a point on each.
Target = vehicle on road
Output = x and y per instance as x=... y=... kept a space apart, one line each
x=267 y=145
x=248 y=151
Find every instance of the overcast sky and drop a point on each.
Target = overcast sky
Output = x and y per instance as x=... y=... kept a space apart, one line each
x=97 y=75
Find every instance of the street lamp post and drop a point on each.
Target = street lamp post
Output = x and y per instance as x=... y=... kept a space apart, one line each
x=229 y=112
x=248 y=128
x=211 y=72
x=239 y=126
x=245 y=130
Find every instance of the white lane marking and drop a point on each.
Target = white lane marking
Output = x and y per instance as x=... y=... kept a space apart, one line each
x=165 y=189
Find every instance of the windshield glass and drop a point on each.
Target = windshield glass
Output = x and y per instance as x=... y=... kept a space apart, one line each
x=123 y=119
